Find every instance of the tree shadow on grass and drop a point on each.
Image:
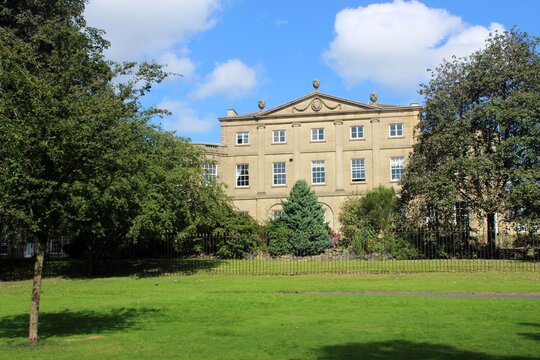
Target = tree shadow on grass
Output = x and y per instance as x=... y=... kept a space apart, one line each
x=402 y=349
x=22 y=269
x=69 y=323
x=532 y=336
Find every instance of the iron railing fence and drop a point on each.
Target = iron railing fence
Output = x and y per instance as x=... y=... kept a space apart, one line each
x=400 y=251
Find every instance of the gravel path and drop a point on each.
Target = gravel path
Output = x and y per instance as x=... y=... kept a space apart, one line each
x=474 y=295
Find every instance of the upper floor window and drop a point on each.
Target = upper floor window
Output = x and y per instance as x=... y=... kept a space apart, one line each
x=396 y=168
x=318 y=172
x=242 y=175
x=210 y=171
x=242 y=138
x=317 y=134
x=278 y=174
x=358 y=170
x=278 y=136
x=357 y=132
x=395 y=130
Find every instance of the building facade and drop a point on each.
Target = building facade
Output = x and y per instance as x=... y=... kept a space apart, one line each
x=338 y=146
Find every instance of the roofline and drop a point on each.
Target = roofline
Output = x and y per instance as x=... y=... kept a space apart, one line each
x=206 y=144
x=267 y=113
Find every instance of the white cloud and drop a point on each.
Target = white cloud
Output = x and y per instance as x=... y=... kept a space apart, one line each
x=142 y=29
x=393 y=44
x=231 y=79
x=185 y=119
x=178 y=65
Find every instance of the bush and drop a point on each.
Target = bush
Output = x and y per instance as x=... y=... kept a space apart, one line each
x=235 y=246
x=279 y=238
x=400 y=248
x=362 y=240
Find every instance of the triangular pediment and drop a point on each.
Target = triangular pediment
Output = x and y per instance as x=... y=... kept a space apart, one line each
x=315 y=103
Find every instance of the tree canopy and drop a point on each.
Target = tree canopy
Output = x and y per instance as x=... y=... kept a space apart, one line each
x=79 y=157
x=479 y=135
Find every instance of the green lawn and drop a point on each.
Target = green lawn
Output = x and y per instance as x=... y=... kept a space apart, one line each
x=269 y=317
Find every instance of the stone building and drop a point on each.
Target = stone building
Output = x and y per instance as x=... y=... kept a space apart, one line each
x=338 y=146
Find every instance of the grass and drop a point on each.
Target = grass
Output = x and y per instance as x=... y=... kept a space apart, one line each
x=269 y=317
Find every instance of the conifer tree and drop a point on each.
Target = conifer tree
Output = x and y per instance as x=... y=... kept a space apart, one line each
x=301 y=229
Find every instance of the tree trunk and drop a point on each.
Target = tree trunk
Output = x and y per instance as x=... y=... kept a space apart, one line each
x=36 y=292
x=491 y=235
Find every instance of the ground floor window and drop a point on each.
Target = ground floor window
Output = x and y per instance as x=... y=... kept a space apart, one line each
x=462 y=215
x=210 y=171
x=276 y=214
x=3 y=249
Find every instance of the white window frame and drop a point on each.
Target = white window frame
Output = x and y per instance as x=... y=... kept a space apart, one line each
x=242 y=175
x=279 y=173
x=318 y=172
x=210 y=171
x=358 y=168
x=279 y=136
x=317 y=134
x=396 y=130
x=242 y=138
x=397 y=168
x=354 y=135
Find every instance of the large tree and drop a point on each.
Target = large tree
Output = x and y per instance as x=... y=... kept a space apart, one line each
x=78 y=155
x=479 y=138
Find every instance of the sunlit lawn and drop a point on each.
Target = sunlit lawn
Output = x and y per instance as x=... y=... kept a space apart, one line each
x=269 y=317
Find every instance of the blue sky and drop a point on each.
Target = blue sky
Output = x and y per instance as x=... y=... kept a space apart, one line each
x=234 y=52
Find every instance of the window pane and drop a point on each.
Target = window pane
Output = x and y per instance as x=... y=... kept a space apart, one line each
x=358 y=170
x=278 y=136
x=242 y=175
x=4 y=249
x=462 y=215
x=278 y=173
x=396 y=130
x=357 y=132
x=396 y=168
x=242 y=138
x=55 y=247
x=318 y=174
x=317 y=134
x=276 y=214
x=210 y=171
